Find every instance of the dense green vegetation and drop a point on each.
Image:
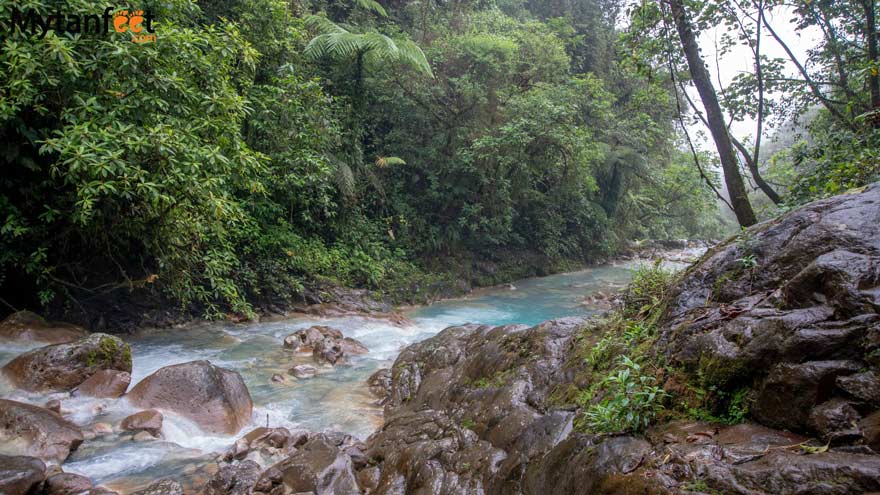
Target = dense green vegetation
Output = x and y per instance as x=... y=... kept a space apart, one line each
x=261 y=147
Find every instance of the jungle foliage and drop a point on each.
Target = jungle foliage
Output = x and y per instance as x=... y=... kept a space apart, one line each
x=260 y=147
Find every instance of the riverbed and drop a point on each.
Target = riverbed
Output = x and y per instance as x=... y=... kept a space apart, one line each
x=334 y=400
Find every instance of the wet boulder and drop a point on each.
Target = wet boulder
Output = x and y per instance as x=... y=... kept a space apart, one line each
x=863 y=387
x=149 y=421
x=791 y=390
x=20 y=475
x=37 y=432
x=430 y=449
x=325 y=344
x=835 y=419
x=25 y=326
x=582 y=464
x=67 y=484
x=268 y=442
x=808 y=296
x=234 y=479
x=63 y=367
x=214 y=398
x=305 y=340
x=105 y=384
x=319 y=466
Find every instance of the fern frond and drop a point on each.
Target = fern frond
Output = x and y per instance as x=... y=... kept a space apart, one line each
x=345 y=180
x=372 y=6
x=411 y=54
x=322 y=25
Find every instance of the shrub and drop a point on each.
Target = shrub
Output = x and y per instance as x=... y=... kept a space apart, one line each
x=632 y=400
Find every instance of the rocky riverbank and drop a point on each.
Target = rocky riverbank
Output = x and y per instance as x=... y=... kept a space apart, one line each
x=774 y=332
x=755 y=371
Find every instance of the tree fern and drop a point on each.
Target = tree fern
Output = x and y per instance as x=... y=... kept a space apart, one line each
x=337 y=43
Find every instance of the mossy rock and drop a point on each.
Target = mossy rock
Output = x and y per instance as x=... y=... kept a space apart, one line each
x=63 y=367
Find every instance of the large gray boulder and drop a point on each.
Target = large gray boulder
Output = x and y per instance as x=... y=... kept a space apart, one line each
x=801 y=327
x=214 y=398
x=30 y=430
x=63 y=367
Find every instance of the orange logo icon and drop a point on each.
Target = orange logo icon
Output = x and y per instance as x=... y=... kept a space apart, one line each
x=132 y=21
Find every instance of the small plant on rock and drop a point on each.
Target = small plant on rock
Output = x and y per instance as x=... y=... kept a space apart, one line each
x=633 y=399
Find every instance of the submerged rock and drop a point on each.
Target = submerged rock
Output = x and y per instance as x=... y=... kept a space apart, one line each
x=20 y=475
x=62 y=367
x=25 y=326
x=37 y=432
x=303 y=371
x=214 y=398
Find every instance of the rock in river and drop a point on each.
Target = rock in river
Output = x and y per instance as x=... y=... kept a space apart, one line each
x=320 y=467
x=105 y=384
x=67 y=484
x=149 y=421
x=20 y=475
x=214 y=398
x=35 y=431
x=25 y=326
x=62 y=367
x=326 y=344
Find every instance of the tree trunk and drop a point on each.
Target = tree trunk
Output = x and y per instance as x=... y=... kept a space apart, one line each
x=871 y=35
x=735 y=188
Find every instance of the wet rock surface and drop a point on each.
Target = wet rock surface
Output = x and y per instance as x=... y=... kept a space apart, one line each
x=25 y=326
x=326 y=344
x=237 y=479
x=67 y=484
x=30 y=430
x=214 y=398
x=379 y=384
x=105 y=384
x=20 y=475
x=149 y=421
x=303 y=371
x=319 y=466
x=62 y=367
x=162 y=487
x=800 y=326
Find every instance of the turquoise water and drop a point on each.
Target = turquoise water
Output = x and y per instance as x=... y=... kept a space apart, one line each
x=528 y=301
x=336 y=399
